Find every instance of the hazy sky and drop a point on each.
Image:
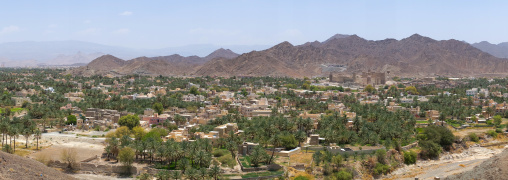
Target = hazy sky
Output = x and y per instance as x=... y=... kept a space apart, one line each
x=158 y=24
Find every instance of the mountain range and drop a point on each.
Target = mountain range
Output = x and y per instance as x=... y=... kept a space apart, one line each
x=499 y=50
x=412 y=56
x=173 y=65
x=31 y=53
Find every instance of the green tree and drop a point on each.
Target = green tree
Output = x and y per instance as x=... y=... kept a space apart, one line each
x=192 y=174
x=258 y=155
x=439 y=135
x=215 y=172
x=130 y=121
x=369 y=88
x=497 y=120
x=71 y=119
x=157 y=107
x=288 y=141
x=194 y=90
x=411 y=90
x=126 y=157
x=38 y=135
x=176 y=175
x=276 y=142
x=474 y=119
x=138 y=132
x=430 y=149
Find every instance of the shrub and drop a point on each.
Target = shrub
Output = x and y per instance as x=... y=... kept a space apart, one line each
x=473 y=137
x=144 y=176
x=499 y=130
x=492 y=133
x=227 y=161
x=327 y=169
x=438 y=134
x=43 y=158
x=410 y=157
x=381 y=169
x=381 y=156
x=220 y=152
x=69 y=156
x=430 y=149
x=344 y=175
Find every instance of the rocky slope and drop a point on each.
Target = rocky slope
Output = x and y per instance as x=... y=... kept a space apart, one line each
x=413 y=56
x=19 y=168
x=493 y=168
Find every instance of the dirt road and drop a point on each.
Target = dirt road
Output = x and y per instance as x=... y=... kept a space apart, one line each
x=447 y=165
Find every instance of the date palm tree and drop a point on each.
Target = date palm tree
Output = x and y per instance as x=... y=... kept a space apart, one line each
x=176 y=175
x=38 y=135
x=192 y=174
x=276 y=142
x=215 y=172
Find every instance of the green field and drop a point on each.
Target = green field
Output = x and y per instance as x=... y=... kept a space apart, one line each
x=13 y=110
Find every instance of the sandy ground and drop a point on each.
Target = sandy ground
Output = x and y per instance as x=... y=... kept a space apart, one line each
x=448 y=164
x=54 y=142
x=465 y=132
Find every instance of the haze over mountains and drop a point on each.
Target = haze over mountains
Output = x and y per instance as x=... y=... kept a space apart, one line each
x=413 y=56
x=173 y=65
x=32 y=53
x=499 y=50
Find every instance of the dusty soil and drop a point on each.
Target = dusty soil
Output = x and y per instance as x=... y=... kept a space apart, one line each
x=16 y=167
x=447 y=165
x=465 y=132
x=85 y=147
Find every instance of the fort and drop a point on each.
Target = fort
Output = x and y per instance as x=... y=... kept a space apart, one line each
x=365 y=78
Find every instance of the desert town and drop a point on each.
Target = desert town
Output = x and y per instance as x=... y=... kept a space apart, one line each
x=252 y=127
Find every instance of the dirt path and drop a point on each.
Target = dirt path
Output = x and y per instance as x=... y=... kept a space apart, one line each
x=449 y=164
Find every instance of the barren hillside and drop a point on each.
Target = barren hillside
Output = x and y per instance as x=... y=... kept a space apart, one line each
x=493 y=168
x=17 y=168
x=411 y=57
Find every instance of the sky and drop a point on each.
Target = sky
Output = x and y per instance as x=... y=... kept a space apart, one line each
x=167 y=23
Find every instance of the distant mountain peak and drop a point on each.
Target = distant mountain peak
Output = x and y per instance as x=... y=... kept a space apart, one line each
x=107 y=62
x=221 y=52
x=419 y=38
x=284 y=44
x=337 y=36
x=485 y=42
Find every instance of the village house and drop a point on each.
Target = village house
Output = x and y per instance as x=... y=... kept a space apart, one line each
x=432 y=114
x=18 y=101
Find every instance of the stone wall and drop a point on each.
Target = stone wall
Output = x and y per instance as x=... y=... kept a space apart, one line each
x=407 y=147
x=94 y=168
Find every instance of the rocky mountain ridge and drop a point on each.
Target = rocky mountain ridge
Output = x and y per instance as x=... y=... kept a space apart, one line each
x=411 y=57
